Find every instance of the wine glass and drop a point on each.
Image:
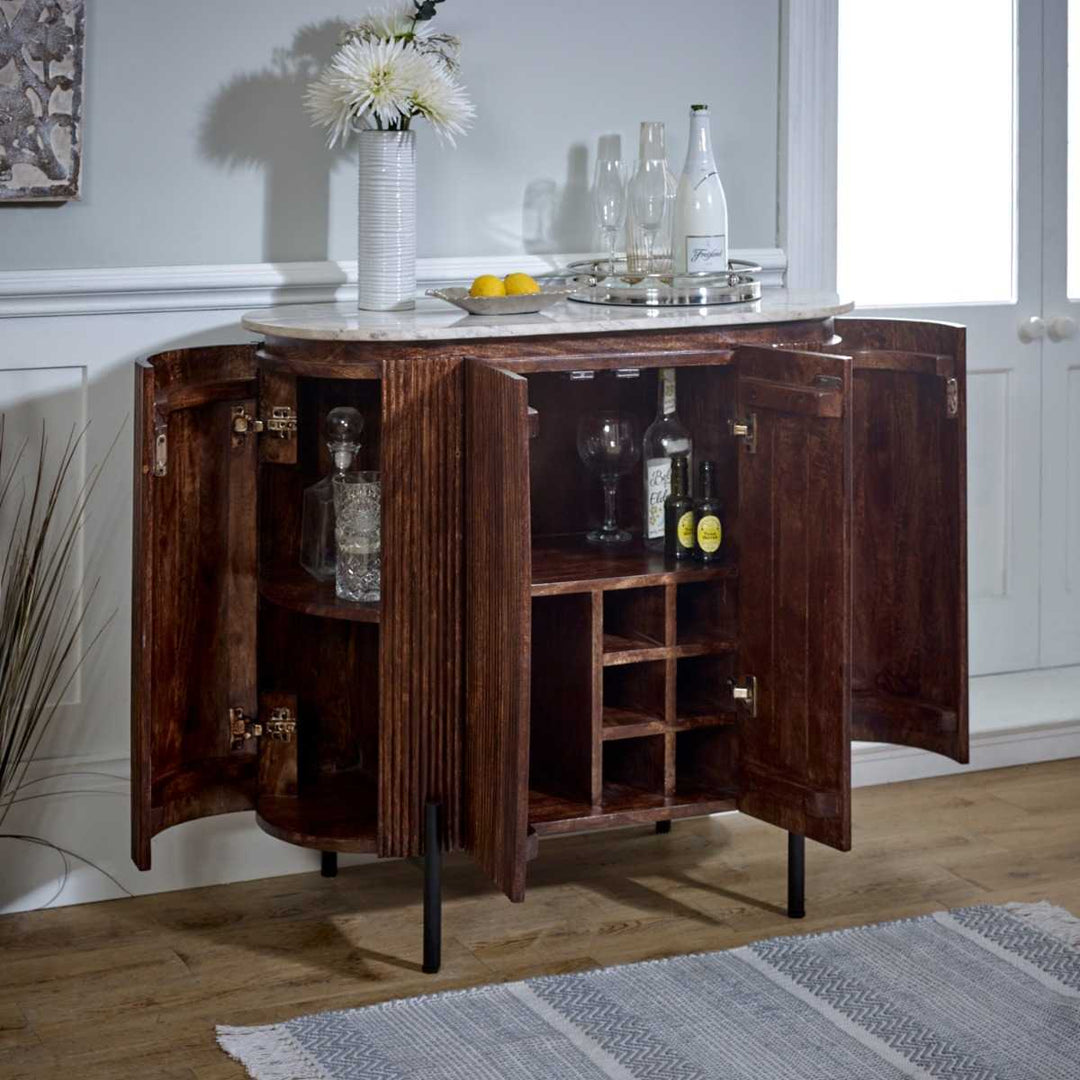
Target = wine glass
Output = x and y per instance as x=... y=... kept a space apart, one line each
x=609 y=200
x=608 y=445
x=648 y=191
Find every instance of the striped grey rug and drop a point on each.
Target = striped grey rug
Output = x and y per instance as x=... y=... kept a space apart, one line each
x=980 y=993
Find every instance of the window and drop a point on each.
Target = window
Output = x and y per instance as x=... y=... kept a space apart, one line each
x=926 y=186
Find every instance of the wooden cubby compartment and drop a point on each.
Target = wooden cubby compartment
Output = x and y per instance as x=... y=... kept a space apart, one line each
x=706 y=616
x=705 y=764
x=634 y=773
x=703 y=691
x=561 y=697
x=634 y=700
x=634 y=620
x=321 y=650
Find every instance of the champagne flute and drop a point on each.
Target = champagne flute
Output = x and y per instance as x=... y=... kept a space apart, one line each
x=609 y=200
x=609 y=447
x=648 y=190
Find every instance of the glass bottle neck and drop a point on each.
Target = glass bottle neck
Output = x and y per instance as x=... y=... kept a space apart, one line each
x=707 y=491
x=678 y=475
x=651 y=146
x=666 y=393
x=700 y=147
x=342 y=455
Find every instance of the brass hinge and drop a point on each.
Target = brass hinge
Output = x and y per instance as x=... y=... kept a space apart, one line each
x=745 y=690
x=281 y=422
x=952 y=397
x=746 y=429
x=281 y=727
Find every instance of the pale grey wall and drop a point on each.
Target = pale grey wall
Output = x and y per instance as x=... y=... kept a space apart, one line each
x=198 y=150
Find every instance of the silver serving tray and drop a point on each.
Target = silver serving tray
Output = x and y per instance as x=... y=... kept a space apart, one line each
x=528 y=304
x=595 y=286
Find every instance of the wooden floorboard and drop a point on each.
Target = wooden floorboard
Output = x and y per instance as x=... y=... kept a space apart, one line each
x=133 y=988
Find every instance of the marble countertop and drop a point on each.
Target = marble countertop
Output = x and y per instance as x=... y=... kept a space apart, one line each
x=436 y=320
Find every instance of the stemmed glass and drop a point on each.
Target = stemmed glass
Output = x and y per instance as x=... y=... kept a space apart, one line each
x=609 y=447
x=648 y=190
x=609 y=199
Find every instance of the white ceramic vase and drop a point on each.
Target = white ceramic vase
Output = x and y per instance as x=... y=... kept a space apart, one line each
x=386 y=254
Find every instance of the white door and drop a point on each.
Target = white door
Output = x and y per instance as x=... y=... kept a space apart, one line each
x=1060 y=636
x=940 y=213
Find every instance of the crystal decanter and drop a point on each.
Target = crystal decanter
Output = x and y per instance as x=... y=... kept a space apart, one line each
x=318 y=550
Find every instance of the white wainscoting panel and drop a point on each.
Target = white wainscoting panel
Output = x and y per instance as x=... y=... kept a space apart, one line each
x=1003 y=511
x=1061 y=505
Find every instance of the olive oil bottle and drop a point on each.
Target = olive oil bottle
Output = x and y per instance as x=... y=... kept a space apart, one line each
x=679 y=512
x=708 y=515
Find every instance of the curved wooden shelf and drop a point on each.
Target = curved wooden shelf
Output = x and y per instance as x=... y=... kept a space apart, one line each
x=341 y=814
x=569 y=564
x=294 y=588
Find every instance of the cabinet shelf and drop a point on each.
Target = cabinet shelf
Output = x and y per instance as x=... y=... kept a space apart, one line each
x=341 y=814
x=569 y=564
x=294 y=588
x=624 y=723
x=553 y=815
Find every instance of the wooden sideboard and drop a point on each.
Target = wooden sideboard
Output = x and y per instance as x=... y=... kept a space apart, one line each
x=516 y=683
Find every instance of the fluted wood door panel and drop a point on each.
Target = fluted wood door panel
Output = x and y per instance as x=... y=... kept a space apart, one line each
x=420 y=657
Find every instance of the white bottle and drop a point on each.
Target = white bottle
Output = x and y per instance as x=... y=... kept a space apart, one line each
x=699 y=233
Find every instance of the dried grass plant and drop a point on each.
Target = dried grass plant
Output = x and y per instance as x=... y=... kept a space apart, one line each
x=41 y=617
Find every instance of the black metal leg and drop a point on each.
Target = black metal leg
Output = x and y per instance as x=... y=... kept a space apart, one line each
x=663 y=826
x=432 y=891
x=329 y=864
x=796 y=876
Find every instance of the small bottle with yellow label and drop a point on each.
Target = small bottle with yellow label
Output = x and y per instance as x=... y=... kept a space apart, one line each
x=708 y=513
x=679 y=512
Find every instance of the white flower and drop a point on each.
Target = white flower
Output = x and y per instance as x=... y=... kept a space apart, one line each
x=364 y=77
x=439 y=98
x=391 y=21
x=386 y=84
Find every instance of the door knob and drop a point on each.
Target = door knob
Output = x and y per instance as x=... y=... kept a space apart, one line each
x=1061 y=328
x=1031 y=329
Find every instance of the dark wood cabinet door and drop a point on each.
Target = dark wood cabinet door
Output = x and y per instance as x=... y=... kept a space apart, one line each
x=498 y=605
x=794 y=549
x=194 y=589
x=910 y=663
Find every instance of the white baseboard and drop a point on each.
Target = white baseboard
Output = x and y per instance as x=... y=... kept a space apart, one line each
x=82 y=802
x=877 y=763
x=102 y=291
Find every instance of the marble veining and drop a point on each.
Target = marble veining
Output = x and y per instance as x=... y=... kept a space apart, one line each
x=435 y=320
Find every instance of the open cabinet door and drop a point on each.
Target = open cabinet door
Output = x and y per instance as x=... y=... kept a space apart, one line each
x=499 y=620
x=794 y=551
x=910 y=662
x=195 y=590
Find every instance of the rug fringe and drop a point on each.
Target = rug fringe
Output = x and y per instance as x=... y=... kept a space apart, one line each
x=265 y=1054
x=1052 y=920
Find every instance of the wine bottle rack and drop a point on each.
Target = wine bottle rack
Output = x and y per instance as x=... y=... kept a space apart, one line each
x=632 y=717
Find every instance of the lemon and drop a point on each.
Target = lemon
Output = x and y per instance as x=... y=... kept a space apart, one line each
x=520 y=285
x=487 y=285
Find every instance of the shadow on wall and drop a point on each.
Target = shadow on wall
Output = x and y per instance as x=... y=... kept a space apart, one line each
x=555 y=219
x=258 y=120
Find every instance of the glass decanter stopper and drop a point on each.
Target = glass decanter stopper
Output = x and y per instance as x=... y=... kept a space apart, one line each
x=318 y=550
